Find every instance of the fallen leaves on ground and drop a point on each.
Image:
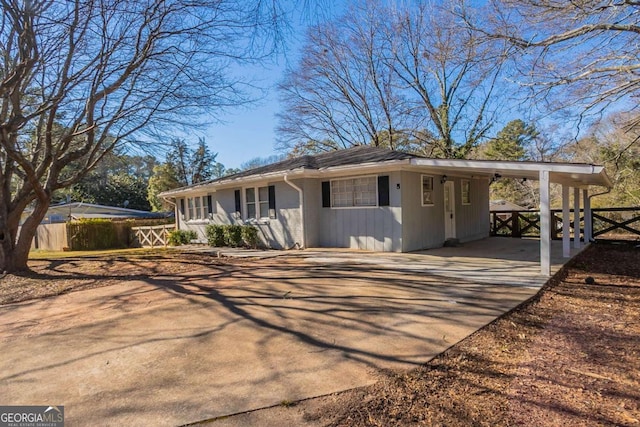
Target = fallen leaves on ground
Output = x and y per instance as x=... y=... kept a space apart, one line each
x=569 y=356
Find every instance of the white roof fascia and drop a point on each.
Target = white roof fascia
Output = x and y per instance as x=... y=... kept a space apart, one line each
x=569 y=172
x=503 y=165
x=211 y=187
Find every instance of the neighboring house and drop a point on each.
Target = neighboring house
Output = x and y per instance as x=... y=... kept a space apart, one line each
x=364 y=198
x=505 y=206
x=64 y=212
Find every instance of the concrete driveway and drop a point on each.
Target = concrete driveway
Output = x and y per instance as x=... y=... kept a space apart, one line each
x=222 y=340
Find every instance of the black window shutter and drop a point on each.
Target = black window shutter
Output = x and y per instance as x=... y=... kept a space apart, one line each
x=272 y=201
x=182 y=208
x=383 y=190
x=210 y=204
x=326 y=194
x=238 y=202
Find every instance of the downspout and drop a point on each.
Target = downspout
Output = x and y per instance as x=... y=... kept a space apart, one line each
x=301 y=197
x=175 y=209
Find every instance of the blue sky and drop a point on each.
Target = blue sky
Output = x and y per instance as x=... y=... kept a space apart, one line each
x=249 y=132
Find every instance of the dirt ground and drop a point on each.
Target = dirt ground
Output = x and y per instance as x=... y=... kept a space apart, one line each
x=49 y=277
x=570 y=356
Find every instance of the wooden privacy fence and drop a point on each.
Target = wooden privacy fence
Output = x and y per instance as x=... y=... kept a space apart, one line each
x=608 y=223
x=152 y=236
x=83 y=236
x=50 y=237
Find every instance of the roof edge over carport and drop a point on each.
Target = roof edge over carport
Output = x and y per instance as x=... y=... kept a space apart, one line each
x=574 y=174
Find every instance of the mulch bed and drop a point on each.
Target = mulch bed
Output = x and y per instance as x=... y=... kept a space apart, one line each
x=568 y=357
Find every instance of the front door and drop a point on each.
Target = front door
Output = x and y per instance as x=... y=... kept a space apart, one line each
x=449 y=211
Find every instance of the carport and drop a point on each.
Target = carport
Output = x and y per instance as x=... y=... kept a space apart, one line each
x=579 y=177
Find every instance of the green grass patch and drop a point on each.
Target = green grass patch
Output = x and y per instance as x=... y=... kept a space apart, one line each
x=137 y=252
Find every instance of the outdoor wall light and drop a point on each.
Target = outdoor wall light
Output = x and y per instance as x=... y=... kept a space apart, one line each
x=443 y=179
x=398 y=186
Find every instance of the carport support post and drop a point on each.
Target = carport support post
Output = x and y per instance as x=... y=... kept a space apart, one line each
x=576 y=217
x=566 y=223
x=545 y=225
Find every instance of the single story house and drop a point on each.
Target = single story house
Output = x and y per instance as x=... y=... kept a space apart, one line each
x=365 y=198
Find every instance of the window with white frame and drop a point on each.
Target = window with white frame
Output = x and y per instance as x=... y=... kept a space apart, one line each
x=199 y=208
x=465 y=192
x=354 y=192
x=257 y=207
x=263 y=202
x=190 y=211
x=427 y=190
x=250 y=198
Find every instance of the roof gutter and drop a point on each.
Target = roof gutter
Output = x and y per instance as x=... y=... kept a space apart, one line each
x=301 y=196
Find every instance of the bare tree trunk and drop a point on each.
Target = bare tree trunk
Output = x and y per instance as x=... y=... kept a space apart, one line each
x=14 y=247
x=8 y=232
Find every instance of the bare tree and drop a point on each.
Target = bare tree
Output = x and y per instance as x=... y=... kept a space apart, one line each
x=394 y=76
x=452 y=74
x=342 y=93
x=578 y=55
x=605 y=144
x=80 y=78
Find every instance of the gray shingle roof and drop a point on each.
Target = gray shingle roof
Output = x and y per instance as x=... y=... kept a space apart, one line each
x=350 y=156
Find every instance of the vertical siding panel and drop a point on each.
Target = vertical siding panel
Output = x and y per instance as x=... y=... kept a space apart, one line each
x=378 y=231
x=357 y=223
x=473 y=219
x=351 y=228
x=312 y=211
x=423 y=225
x=337 y=214
x=362 y=228
x=388 y=230
x=371 y=228
x=327 y=232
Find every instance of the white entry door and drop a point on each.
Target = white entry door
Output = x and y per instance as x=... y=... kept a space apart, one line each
x=449 y=211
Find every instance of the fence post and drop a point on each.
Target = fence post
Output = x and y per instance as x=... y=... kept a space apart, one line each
x=495 y=223
x=515 y=224
x=554 y=226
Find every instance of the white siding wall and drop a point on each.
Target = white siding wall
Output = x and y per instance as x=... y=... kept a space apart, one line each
x=284 y=231
x=403 y=226
x=280 y=233
x=312 y=210
x=370 y=228
x=423 y=226
x=472 y=221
